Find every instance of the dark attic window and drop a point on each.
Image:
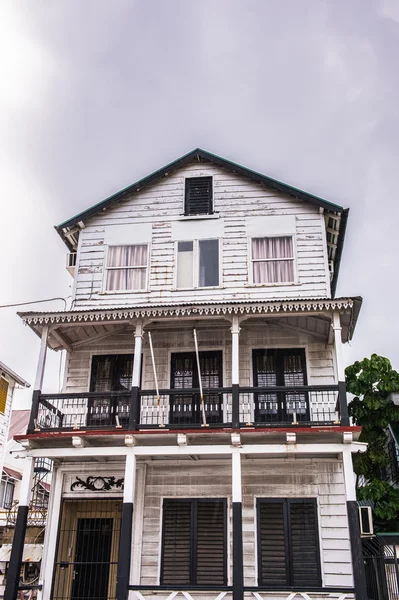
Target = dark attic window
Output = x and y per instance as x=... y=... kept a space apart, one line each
x=198 y=197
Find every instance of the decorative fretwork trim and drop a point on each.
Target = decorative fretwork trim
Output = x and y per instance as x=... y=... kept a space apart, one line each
x=257 y=308
x=98 y=484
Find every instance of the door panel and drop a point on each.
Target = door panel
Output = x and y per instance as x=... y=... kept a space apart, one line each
x=110 y=373
x=92 y=559
x=275 y=368
x=184 y=375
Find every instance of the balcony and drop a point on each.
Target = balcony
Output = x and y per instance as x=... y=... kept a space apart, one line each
x=300 y=406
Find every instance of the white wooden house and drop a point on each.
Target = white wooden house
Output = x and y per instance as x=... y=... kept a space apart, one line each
x=204 y=385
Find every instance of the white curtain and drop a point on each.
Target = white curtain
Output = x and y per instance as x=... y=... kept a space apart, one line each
x=127 y=267
x=266 y=253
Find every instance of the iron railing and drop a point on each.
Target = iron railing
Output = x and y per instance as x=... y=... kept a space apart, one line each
x=177 y=408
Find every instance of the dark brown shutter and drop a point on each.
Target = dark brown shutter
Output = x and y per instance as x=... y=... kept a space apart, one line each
x=272 y=544
x=177 y=533
x=304 y=543
x=211 y=542
x=198 y=199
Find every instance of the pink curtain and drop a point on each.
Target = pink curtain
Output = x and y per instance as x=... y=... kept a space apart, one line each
x=266 y=253
x=129 y=267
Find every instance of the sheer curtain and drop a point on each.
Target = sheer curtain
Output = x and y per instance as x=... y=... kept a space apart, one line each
x=267 y=255
x=127 y=268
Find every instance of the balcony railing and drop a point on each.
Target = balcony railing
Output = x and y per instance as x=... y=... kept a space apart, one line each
x=183 y=408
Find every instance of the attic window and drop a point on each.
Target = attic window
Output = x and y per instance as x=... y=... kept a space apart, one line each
x=198 y=197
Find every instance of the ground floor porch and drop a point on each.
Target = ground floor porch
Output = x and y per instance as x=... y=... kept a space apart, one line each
x=235 y=519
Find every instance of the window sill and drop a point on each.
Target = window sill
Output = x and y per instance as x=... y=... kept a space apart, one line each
x=194 y=289
x=198 y=217
x=113 y=292
x=278 y=284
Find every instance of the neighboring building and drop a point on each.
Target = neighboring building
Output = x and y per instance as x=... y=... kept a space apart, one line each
x=204 y=384
x=37 y=515
x=9 y=381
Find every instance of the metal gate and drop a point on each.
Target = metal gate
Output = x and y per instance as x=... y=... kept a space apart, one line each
x=87 y=553
x=382 y=569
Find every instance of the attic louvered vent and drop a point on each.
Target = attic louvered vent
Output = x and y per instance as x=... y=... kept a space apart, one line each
x=198 y=198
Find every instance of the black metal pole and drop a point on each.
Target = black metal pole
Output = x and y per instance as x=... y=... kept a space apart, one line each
x=134 y=408
x=343 y=404
x=359 y=574
x=125 y=546
x=34 y=411
x=235 y=405
x=238 y=558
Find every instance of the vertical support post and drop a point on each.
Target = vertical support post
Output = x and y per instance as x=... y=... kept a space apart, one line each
x=235 y=371
x=134 y=410
x=343 y=405
x=125 y=543
x=359 y=575
x=41 y=363
x=238 y=557
x=17 y=549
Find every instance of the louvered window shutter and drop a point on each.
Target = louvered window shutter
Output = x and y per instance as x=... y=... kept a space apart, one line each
x=288 y=543
x=177 y=533
x=198 y=198
x=211 y=543
x=3 y=394
x=304 y=543
x=194 y=549
x=272 y=544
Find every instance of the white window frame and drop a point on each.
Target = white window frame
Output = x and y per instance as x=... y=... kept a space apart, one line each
x=196 y=256
x=106 y=269
x=252 y=260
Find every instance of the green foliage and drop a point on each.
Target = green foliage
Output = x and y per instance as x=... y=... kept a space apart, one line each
x=371 y=381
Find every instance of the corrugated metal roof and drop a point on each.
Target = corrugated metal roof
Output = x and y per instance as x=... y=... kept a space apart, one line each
x=19 y=423
x=32 y=553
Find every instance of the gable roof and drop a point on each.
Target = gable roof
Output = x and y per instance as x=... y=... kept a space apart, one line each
x=14 y=375
x=72 y=225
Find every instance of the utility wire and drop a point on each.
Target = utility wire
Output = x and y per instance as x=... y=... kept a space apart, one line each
x=34 y=302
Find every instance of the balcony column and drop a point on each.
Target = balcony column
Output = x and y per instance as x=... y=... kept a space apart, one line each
x=359 y=575
x=134 y=413
x=238 y=558
x=343 y=405
x=235 y=370
x=14 y=569
x=39 y=379
x=125 y=543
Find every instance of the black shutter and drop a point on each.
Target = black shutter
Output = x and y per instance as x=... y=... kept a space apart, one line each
x=288 y=546
x=304 y=543
x=272 y=563
x=198 y=199
x=176 y=546
x=194 y=548
x=211 y=542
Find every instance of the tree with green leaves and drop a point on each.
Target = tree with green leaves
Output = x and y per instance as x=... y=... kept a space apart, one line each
x=371 y=381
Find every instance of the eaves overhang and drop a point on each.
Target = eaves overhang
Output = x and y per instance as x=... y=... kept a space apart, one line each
x=13 y=375
x=348 y=307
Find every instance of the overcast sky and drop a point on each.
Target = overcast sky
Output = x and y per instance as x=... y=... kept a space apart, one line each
x=96 y=94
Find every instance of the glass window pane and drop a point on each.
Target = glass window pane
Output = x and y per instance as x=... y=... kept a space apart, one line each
x=279 y=247
x=127 y=256
x=274 y=271
x=185 y=271
x=208 y=263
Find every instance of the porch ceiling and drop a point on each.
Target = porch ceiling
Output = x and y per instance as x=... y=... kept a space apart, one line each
x=71 y=329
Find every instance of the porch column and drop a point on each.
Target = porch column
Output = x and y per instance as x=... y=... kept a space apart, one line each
x=125 y=543
x=359 y=575
x=134 y=413
x=18 y=541
x=235 y=371
x=238 y=559
x=343 y=405
x=39 y=379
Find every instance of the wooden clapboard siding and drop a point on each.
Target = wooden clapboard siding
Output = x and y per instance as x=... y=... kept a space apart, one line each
x=319 y=357
x=321 y=479
x=235 y=199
